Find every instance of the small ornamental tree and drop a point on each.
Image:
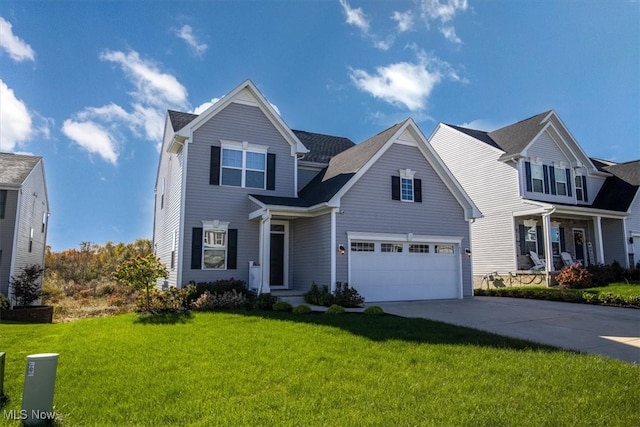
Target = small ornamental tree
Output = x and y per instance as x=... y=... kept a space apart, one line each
x=141 y=273
x=26 y=288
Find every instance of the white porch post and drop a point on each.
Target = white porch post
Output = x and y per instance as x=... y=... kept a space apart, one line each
x=265 y=252
x=334 y=250
x=597 y=228
x=548 y=250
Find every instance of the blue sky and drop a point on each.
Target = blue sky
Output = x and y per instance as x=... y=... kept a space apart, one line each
x=86 y=85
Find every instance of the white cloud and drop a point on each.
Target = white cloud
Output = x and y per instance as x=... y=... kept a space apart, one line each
x=186 y=34
x=443 y=11
x=93 y=138
x=449 y=33
x=17 y=48
x=15 y=120
x=205 y=105
x=404 y=20
x=405 y=84
x=152 y=86
x=483 y=125
x=355 y=17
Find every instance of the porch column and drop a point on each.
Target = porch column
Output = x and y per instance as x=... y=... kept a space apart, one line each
x=265 y=252
x=599 y=247
x=548 y=250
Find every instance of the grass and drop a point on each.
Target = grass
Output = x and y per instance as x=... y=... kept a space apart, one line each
x=267 y=368
x=622 y=289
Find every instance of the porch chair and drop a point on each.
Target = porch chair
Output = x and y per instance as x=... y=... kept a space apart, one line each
x=567 y=259
x=538 y=264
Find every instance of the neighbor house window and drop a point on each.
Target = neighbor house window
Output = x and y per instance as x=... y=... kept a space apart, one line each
x=531 y=239
x=444 y=249
x=362 y=247
x=391 y=247
x=214 y=245
x=561 y=181
x=537 y=178
x=3 y=202
x=174 y=247
x=579 y=188
x=243 y=168
x=419 y=248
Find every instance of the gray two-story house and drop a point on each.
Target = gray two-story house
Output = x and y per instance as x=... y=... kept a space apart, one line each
x=24 y=215
x=540 y=193
x=240 y=194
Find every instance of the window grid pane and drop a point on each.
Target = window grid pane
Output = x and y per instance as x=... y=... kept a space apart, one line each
x=419 y=248
x=362 y=247
x=561 y=181
x=391 y=247
x=256 y=161
x=231 y=158
x=444 y=249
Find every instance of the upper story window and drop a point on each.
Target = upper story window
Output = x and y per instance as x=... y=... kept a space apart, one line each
x=561 y=181
x=243 y=168
x=537 y=178
x=579 y=188
x=3 y=202
x=405 y=187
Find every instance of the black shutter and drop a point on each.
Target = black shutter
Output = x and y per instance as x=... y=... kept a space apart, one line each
x=395 y=188
x=584 y=188
x=569 y=186
x=271 y=171
x=540 y=239
x=523 y=246
x=417 y=190
x=527 y=173
x=545 y=170
x=196 y=248
x=232 y=249
x=552 y=179
x=214 y=167
x=563 y=246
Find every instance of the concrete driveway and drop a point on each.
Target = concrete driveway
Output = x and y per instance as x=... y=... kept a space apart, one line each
x=608 y=331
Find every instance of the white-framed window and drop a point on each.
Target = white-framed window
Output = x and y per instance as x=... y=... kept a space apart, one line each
x=362 y=247
x=214 y=245
x=579 y=188
x=419 y=248
x=174 y=248
x=391 y=247
x=561 y=181
x=530 y=238
x=406 y=185
x=555 y=239
x=444 y=248
x=537 y=178
x=243 y=167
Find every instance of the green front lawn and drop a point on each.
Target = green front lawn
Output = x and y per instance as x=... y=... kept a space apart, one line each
x=256 y=368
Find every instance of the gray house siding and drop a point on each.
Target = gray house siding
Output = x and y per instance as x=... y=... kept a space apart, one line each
x=305 y=175
x=368 y=207
x=614 y=243
x=7 y=231
x=311 y=252
x=203 y=201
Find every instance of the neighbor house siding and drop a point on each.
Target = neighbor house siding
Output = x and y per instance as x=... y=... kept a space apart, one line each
x=493 y=235
x=614 y=241
x=311 y=252
x=203 y=201
x=368 y=207
x=7 y=232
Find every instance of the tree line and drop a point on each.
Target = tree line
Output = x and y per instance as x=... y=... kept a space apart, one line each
x=92 y=262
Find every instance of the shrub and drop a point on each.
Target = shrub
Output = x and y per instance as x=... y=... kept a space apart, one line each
x=374 y=310
x=346 y=296
x=265 y=301
x=26 y=289
x=335 y=309
x=4 y=302
x=170 y=300
x=229 y=299
x=319 y=295
x=302 y=309
x=574 y=277
x=218 y=287
x=282 y=306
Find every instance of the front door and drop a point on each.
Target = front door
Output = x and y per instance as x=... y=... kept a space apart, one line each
x=578 y=242
x=278 y=255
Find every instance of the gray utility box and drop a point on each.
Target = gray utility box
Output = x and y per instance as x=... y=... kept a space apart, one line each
x=39 y=382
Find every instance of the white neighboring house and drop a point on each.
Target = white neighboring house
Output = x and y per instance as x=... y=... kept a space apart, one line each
x=540 y=192
x=24 y=215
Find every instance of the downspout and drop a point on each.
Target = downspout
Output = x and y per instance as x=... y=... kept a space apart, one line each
x=471 y=222
x=333 y=248
x=183 y=200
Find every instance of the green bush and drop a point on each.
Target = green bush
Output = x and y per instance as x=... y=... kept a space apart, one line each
x=374 y=310
x=563 y=295
x=302 y=309
x=216 y=288
x=574 y=277
x=319 y=295
x=346 y=296
x=265 y=301
x=335 y=309
x=282 y=306
x=167 y=301
x=4 y=302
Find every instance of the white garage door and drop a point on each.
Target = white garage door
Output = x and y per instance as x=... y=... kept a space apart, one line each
x=388 y=271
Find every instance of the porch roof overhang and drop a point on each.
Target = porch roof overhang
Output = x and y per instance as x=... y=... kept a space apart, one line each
x=292 y=210
x=542 y=208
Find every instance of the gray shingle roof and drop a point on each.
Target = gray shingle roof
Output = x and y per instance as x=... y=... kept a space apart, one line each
x=322 y=147
x=179 y=119
x=618 y=191
x=14 y=168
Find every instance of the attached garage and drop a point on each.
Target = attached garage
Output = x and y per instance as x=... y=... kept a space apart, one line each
x=406 y=268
